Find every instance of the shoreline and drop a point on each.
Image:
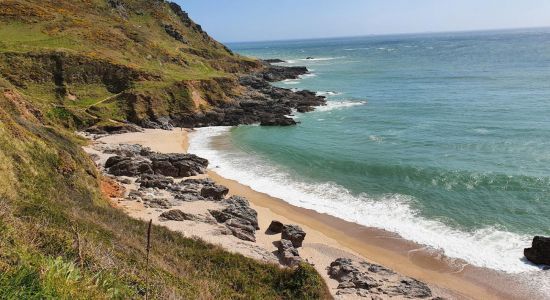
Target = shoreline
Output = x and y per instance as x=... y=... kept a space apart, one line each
x=328 y=234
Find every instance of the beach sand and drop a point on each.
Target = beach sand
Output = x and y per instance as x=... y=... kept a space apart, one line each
x=327 y=237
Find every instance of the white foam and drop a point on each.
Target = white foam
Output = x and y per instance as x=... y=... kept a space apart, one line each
x=328 y=93
x=321 y=58
x=291 y=81
x=488 y=247
x=336 y=105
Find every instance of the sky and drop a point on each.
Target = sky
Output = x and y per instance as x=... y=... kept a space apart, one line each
x=260 y=20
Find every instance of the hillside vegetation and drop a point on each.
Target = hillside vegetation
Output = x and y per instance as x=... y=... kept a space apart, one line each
x=67 y=65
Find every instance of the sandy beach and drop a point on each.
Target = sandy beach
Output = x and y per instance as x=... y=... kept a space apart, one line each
x=327 y=237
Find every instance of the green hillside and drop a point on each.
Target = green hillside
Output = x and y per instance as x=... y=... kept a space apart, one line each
x=67 y=65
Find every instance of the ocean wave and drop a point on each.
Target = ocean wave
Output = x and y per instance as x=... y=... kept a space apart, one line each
x=328 y=93
x=487 y=247
x=335 y=105
x=291 y=81
x=321 y=58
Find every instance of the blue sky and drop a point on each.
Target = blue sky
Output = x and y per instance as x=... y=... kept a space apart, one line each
x=253 y=20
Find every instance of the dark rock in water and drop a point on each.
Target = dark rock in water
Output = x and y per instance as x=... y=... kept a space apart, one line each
x=278 y=73
x=177 y=215
x=275 y=227
x=305 y=109
x=176 y=34
x=274 y=61
x=155 y=181
x=214 y=191
x=309 y=57
x=277 y=121
x=369 y=280
x=288 y=254
x=539 y=253
x=238 y=217
x=293 y=233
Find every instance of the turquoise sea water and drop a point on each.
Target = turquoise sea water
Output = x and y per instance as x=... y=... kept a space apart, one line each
x=443 y=138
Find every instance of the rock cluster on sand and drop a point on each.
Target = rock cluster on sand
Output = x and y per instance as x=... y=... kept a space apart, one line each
x=539 y=253
x=292 y=237
x=135 y=161
x=369 y=280
x=238 y=217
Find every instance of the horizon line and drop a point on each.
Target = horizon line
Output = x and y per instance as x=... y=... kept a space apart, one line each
x=389 y=34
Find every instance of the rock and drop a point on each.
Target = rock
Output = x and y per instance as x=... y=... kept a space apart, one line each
x=155 y=202
x=539 y=253
x=366 y=280
x=274 y=120
x=309 y=58
x=238 y=217
x=214 y=191
x=293 y=233
x=411 y=288
x=275 y=227
x=288 y=254
x=274 y=61
x=274 y=73
x=124 y=166
x=178 y=165
x=176 y=34
x=155 y=181
x=177 y=215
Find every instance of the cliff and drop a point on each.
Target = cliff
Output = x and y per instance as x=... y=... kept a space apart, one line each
x=97 y=65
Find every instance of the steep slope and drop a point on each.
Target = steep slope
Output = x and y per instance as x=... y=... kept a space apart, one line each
x=71 y=64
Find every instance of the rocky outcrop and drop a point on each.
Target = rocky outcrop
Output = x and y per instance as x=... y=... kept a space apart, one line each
x=274 y=61
x=155 y=181
x=178 y=165
x=177 y=215
x=539 y=253
x=364 y=279
x=214 y=191
x=293 y=233
x=288 y=254
x=279 y=73
x=173 y=32
x=275 y=227
x=138 y=161
x=238 y=217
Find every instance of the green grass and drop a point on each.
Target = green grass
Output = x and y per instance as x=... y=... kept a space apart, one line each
x=50 y=190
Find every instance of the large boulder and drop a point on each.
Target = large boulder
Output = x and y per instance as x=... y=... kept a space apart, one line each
x=125 y=166
x=178 y=165
x=369 y=280
x=539 y=253
x=288 y=254
x=293 y=233
x=239 y=217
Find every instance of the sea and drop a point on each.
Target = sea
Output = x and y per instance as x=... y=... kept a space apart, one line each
x=441 y=138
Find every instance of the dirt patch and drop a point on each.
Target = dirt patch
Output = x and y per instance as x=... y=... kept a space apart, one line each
x=111 y=189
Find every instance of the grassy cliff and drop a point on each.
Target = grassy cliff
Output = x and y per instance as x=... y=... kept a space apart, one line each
x=71 y=64
x=113 y=60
